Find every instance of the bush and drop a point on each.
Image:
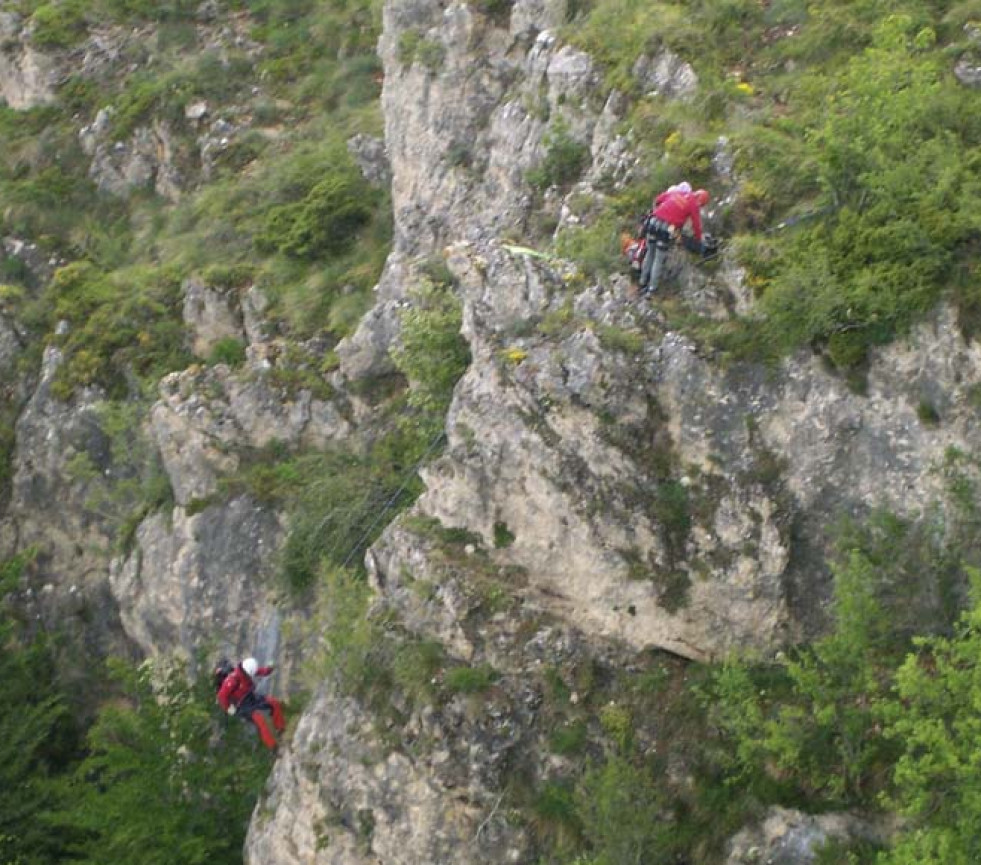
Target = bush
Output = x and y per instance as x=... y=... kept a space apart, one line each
x=121 y=325
x=325 y=221
x=890 y=152
x=470 y=680
x=433 y=354
x=564 y=162
x=229 y=350
x=58 y=25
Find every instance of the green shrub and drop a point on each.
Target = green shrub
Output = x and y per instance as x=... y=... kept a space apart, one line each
x=415 y=666
x=339 y=502
x=229 y=350
x=564 y=162
x=498 y=11
x=325 y=221
x=933 y=719
x=503 y=536
x=569 y=739
x=594 y=247
x=414 y=46
x=470 y=680
x=58 y=25
x=433 y=353
x=890 y=152
x=621 y=812
x=124 y=324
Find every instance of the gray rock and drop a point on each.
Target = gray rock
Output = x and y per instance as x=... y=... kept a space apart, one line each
x=211 y=316
x=788 y=837
x=967 y=70
x=199 y=580
x=369 y=153
x=666 y=74
x=27 y=77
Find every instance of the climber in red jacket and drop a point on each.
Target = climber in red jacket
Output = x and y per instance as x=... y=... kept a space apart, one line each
x=672 y=209
x=237 y=696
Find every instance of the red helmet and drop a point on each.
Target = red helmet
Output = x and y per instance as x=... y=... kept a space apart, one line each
x=702 y=197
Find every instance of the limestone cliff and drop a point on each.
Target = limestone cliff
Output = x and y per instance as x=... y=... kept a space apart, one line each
x=609 y=488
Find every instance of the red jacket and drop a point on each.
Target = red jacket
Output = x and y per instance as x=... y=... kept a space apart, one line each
x=238 y=685
x=676 y=208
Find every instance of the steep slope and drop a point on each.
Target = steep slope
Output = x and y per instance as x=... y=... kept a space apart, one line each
x=610 y=473
x=609 y=502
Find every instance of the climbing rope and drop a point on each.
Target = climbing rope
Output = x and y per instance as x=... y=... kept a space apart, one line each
x=407 y=478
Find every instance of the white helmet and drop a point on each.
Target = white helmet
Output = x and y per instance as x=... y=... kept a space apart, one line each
x=250 y=665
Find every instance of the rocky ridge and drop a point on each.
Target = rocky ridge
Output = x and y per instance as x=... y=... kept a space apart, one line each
x=618 y=487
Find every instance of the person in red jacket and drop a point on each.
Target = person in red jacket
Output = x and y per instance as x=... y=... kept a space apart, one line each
x=237 y=696
x=672 y=210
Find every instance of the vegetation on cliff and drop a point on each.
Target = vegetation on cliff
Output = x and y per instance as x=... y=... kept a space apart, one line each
x=856 y=169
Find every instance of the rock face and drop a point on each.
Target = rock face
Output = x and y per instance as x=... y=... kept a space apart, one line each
x=202 y=579
x=50 y=509
x=350 y=805
x=619 y=488
x=787 y=837
x=626 y=483
x=27 y=77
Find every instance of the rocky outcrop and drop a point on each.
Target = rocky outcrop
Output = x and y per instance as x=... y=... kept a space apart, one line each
x=206 y=416
x=146 y=160
x=341 y=795
x=787 y=837
x=648 y=492
x=27 y=76
x=59 y=470
x=203 y=579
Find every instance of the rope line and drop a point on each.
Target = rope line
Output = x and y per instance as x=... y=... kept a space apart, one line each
x=391 y=502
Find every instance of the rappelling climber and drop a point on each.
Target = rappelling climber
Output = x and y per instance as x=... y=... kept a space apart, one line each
x=672 y=210
x=237 y=696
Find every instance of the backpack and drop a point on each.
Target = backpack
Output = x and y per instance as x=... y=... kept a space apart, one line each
x=633 y=249
x=223 y=669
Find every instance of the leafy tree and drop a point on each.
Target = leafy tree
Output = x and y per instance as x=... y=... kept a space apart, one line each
x=622 y=815
x=38 y=737
x=934 y=718
x=161 y=783
x=813 y=720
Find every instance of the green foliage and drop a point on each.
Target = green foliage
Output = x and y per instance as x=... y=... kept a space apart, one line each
x=433 y=354
x=325 y=220
x=594 y=247
x=470 y=680
x=498 y=11
x=58 y=24
x=415 y=46
x=229 y=350
x=564 y=162
x=618 y=724
x=933 y=718
x=340 y=501
x=893 y=151
x=38 y=738
x=817 y=723
x=569 y=739
x=415 y=666
x=121 y=325
x=503 y=536
x=154 y=788
x=347 y=639
x=621 y=813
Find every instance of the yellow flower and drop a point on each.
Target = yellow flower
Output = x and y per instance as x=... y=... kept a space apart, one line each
x=745 y=87
x=673 y=140
x=516 y=355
